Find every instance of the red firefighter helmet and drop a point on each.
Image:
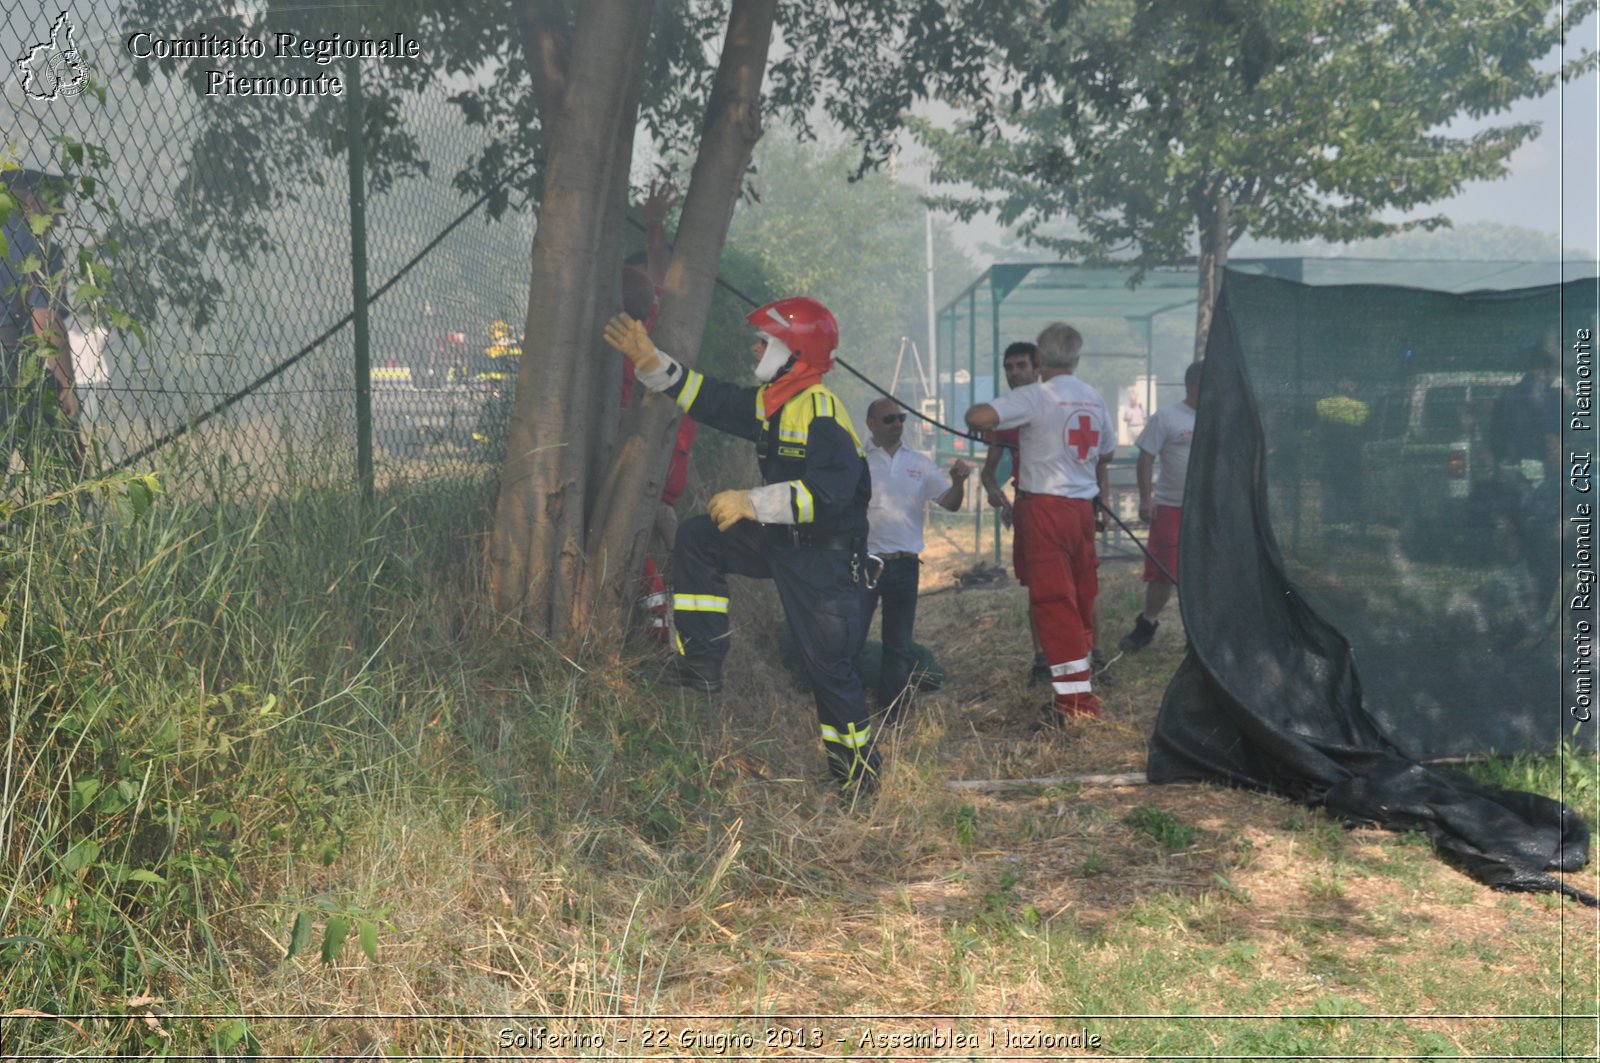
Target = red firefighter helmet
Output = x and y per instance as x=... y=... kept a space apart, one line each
x=804 y=326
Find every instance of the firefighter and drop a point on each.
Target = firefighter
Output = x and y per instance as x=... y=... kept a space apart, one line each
x=805 y=528
x=496 y=374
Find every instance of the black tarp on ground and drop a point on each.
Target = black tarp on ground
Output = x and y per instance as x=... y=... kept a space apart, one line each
x=1268 y=695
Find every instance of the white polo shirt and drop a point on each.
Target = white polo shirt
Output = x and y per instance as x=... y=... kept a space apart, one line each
x=1065 y=430
x=902 y=485
x=1168 y=438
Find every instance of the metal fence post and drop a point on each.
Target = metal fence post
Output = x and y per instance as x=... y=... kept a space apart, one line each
x=355 y=123
x=355 y=129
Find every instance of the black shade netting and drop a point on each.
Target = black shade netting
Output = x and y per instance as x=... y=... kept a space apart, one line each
x=1308 y=545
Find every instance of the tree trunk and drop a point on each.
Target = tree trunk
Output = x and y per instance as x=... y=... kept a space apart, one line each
x=631 y=490
x=536 y=557
x=1215 y=211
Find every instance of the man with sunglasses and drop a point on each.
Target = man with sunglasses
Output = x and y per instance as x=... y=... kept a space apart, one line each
x=804 y=528
x=903 y=482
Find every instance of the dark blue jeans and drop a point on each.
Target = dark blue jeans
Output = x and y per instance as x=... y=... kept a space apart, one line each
x=897 y=587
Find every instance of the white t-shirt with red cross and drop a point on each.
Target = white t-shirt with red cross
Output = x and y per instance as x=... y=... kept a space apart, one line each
x=1065 y=430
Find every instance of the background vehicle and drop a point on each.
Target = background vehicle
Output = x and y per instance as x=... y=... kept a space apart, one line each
x=1442 y=451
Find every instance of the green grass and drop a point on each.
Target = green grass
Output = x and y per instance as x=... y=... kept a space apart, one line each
x=215 y=802
x=1162 y=826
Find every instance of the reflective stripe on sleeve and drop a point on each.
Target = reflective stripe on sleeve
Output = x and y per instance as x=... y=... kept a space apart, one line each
x=805 y=507
x=691 y=389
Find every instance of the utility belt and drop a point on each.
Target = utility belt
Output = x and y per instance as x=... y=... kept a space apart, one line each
x=793 y=536
x=899 y=555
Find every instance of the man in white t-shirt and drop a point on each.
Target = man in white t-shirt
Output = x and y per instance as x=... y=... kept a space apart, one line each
x=1066 y=444
x=1133 y=416
x=903 y=482
x=1168 y=437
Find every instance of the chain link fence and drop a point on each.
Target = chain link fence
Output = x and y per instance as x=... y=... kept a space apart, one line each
x=242 y=370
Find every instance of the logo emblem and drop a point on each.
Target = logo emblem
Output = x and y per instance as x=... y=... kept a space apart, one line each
x=54 y=69
x=1083 y=437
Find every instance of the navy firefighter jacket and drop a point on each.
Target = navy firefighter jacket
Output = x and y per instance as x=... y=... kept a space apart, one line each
x=811 y=445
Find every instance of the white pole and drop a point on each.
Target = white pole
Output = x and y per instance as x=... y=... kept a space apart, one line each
x=933 y=335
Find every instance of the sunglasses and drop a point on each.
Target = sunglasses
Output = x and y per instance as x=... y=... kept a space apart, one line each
x=891 y=418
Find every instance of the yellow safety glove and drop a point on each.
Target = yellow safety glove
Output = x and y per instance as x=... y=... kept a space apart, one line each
x=629 y=337
x=730 y=507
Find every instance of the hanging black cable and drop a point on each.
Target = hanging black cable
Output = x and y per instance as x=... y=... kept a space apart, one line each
x=753 y=304
x=279 y=369
x=1135 y=540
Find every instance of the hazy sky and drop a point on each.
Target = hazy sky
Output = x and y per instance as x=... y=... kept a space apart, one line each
x=1553 y=186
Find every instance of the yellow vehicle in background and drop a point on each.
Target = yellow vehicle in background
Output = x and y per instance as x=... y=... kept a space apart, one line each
x=451 y=403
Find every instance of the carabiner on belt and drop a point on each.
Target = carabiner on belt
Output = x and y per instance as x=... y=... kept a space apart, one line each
x=874 y=571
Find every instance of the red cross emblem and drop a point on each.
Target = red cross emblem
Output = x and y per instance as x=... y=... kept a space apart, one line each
x=1083 y=437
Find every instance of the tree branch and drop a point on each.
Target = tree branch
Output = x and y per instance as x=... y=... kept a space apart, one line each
x=546 y=30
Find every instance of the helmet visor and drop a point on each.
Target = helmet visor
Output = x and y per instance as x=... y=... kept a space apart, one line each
x=773 y=359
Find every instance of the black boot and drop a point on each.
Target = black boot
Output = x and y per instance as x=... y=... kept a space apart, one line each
x=1137 y=639
x=858 y=778
x=1039 y=674
x=697 y=673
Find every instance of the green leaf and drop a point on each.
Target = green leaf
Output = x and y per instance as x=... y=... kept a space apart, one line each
x=299 y=935
x=139 y=498
x=333 y=936
x=84 y=792
x=139 y=874
x=230 y=1033
x=112 y=801
x=367 y=933
x=81 y=855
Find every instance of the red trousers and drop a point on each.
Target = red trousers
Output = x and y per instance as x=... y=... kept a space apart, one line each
x=1057 y=535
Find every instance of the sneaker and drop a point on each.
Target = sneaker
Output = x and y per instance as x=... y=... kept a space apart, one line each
x=1137 y=639
x=704 y=675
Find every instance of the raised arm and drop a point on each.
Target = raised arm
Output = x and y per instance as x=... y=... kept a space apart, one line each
x=956 y=493
x=653 y=212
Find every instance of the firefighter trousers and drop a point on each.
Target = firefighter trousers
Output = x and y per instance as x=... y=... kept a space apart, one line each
x=821 y=602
